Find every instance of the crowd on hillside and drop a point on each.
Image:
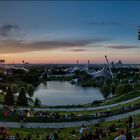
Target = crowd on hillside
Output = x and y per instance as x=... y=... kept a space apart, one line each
x=5 y=136
x=23 y=114
x=98 y=132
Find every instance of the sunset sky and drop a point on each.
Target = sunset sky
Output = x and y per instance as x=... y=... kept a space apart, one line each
x=63 y=32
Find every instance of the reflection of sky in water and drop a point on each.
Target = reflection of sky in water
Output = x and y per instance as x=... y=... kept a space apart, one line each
x=63 y=93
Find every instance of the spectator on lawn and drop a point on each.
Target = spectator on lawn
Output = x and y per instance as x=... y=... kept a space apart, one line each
x=121 y=136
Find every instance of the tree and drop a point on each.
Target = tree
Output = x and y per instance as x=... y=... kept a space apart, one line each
x=30 y=90
x=113 y=88
x=14 y=88
x=3 y=87
x=105 y=90
x=137 y=86
x=123 y=88
x=108 y=81
x=128 y=88
x=119 y=89
x=22 y=99
x=9 y=98
x=37 y=102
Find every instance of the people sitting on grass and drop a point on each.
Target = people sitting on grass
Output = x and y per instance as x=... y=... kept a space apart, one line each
x=97 y=132
x=3 y=132
x=121 y=135
x=112 y=128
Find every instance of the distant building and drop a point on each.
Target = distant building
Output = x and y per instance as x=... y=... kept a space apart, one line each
x=119 y=64
x=112 y=65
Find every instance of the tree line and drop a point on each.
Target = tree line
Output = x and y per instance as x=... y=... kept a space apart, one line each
x=21 y=99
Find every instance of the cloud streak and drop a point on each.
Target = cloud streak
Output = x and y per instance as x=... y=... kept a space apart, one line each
x=121 y=47
x=78 y=50
x=20 y=46
x=113 y=23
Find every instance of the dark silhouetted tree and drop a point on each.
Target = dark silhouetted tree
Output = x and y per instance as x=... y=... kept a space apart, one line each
x=120 y=89
x=37 y=102
x=123 y=88
x=113 y=88
x=22 y=99
x=105 y=90
x=9 y=97
x=30 y=90
x=14 y=88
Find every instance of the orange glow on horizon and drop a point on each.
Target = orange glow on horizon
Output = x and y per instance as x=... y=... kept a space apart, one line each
x=61 y=57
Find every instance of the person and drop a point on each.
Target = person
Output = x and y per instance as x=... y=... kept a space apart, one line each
x=121 y=136
x=128 y=134
x=47 y=137
x=17 y=137
x=97 y=133
x=29 y=137
x=6 y=114
x=130 y=121
x=21 y=115
x=55 y=136
x=112 y=128
x=3 y=132
x=82 y=130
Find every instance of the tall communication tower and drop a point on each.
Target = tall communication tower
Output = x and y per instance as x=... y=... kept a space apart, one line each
x=88 y=63
x=77 y=63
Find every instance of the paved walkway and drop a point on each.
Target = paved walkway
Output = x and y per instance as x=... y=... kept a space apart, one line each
x=67 y=124
x=86 y=108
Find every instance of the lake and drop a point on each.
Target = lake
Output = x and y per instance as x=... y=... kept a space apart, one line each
x=64 y=93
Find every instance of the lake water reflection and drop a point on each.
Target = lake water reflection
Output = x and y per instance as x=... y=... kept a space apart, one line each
x=64 y=93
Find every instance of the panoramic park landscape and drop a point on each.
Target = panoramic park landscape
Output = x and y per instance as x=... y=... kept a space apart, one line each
x=69 y=70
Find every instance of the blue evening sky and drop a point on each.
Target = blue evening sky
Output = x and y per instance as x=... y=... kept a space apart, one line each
x=115 y=22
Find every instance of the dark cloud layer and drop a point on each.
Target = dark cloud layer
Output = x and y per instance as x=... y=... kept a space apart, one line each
x=6 y=30
x=14 y=46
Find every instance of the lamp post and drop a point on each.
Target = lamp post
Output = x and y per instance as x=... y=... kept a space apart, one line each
x=139 y=33
x=1 y=62
x=138 y=40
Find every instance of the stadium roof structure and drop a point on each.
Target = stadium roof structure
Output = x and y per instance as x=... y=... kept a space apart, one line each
x=100 y=73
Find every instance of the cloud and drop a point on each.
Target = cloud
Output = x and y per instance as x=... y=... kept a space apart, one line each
x=78 y=50
x=114 y=23
x=121 y=47
x=7 y=30
x=20 y=46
